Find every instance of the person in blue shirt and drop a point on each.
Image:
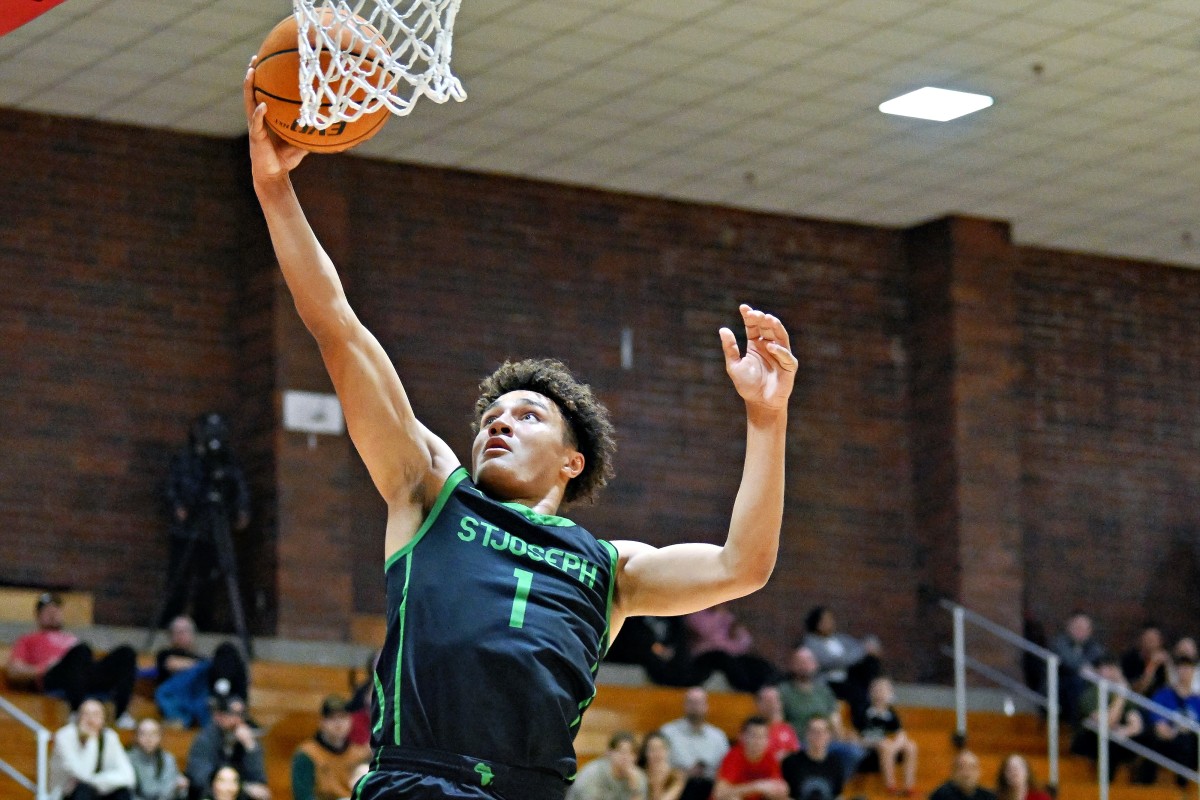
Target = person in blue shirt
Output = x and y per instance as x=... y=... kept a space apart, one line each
x=1168 y=737
x=499 y=609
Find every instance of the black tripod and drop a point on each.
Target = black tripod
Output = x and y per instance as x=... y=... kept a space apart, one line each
x=215 y=522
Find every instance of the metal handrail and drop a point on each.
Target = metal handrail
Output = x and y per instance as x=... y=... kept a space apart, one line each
x=962 y=661
x=39 y=786
x=962 y=615
x=1105 y=737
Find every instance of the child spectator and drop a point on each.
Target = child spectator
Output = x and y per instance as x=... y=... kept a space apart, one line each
x=156 y=775
x=881 y=731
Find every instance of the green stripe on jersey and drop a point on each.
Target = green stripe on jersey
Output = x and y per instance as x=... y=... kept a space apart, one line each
x=400 y=647
x=452 y=481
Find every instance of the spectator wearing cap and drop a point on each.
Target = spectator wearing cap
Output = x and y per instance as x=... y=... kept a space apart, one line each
x=53 y=660
x=228 y=741
x=322 y=766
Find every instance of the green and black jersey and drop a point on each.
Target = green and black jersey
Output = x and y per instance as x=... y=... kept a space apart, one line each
x=497 y=618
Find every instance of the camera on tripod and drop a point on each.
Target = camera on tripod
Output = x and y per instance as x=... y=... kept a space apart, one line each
x=210 y=441
x=209 y=498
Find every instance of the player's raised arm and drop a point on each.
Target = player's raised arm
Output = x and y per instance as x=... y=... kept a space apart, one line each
x=406 y=461
x=682 y=578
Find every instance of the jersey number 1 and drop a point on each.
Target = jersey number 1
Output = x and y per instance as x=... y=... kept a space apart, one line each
x=520 y=599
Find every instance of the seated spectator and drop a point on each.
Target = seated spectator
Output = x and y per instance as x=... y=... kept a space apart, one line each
x=156 y=775
x=1146 y=665
x=321 y=766
x=964 y=782
x=187 y=679
x=719 y=643
x=881 y=732
x=749 y=771
x=226 y=784
x=663 y=781
x=847 y=665
x=806 y=696
x=1185 y=650
x=89 y=762
x=1167 y=737
x=1015 y=780
x=697 y=746
x=1077 y=648
x=1124 y=720
x=781 y=736
x=811 y=774
x=613 y=776
x=55 y=661
x=228 y=741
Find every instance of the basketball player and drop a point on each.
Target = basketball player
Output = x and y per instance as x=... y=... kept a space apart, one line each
x=498 y=610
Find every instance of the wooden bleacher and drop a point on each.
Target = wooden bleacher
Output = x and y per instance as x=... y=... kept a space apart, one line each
x=285 y=697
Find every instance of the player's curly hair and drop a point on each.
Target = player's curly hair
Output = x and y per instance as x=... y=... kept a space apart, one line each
x=587 y=418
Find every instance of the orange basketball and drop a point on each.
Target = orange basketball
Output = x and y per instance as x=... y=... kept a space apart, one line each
x=277 y=83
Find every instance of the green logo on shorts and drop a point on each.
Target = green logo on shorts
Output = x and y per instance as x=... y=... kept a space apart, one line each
x=485 y=774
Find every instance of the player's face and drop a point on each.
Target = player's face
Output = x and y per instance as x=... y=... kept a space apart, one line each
x=522 y=447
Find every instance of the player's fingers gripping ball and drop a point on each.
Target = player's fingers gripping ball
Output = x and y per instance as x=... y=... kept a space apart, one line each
x=277 y=83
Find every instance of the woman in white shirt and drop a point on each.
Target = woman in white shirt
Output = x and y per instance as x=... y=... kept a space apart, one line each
x=89 y=762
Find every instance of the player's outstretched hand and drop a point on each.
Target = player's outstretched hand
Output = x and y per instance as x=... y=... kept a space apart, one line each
x=271 y=158
x=764 y=375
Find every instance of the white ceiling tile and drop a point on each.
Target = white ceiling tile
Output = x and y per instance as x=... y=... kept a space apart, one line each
x=874 y=13
x=896 y=42
x=1072 y=14
x=1087 y=45
x=846 y=61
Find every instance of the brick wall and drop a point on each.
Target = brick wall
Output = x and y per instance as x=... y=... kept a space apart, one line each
x=141 y=291
x=1111 y=446
x=119 y=254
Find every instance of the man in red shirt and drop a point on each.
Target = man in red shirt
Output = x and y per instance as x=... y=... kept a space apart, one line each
x=53 y=660
x=782 y=740
x=750 y=771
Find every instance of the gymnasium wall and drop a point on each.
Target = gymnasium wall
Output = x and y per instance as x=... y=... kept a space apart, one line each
x=1007 y=425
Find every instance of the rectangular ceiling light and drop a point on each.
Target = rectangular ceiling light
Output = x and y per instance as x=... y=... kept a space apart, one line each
x=940 y=105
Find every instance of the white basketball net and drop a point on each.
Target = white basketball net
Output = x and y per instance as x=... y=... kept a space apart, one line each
x=405 y=53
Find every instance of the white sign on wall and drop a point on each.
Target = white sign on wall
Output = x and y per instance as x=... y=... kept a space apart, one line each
x=312 y=412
